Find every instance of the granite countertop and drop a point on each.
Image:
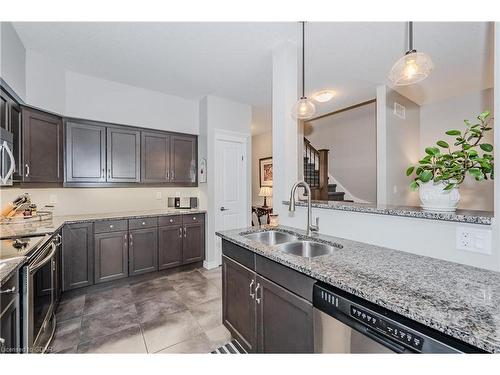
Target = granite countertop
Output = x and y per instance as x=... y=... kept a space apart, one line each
x=38 y=228
x=458 y=300
x=461 y=216
x=9 y=266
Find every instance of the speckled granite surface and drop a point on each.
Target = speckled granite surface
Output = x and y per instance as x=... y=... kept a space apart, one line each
x=50 y=226
x=461 y=216
x=8 y=267
x=458 y=300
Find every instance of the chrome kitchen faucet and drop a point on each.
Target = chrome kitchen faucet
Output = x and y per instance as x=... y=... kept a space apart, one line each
x=309 y=228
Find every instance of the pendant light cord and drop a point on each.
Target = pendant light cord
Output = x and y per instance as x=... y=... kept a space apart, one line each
x=303 y=59
x=410 y=36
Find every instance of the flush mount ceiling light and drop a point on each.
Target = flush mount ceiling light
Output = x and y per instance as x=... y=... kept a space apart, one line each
x=304 y=109
x=413 y=67
x=323 y=96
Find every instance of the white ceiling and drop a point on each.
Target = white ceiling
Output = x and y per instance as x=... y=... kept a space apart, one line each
x=233 y=60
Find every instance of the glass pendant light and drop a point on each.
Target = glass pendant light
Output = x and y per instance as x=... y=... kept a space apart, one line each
x=413 y=67
x=304 y=109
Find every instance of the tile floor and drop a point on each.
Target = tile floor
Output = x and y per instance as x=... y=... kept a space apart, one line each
x=159 y=313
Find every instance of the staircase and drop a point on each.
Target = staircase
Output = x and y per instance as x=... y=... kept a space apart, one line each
x=316 y=174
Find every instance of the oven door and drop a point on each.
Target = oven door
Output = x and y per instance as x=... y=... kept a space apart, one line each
x=40 y=278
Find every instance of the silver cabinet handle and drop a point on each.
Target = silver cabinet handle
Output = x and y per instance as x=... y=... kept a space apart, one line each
x=103 y=175
x=111 y=226
x=257 y=298
x=185 y=232
x=109 y=172
x=27 y=170
x=143 y=223
x=8 y=291
x=224 y=208
x=194 y=218
x=8 y=175
x=180 y=231
x=2 y=341
x=125 y=239
x=131 y=240
x=172 y=175
x=171 y=221
x=250 y=286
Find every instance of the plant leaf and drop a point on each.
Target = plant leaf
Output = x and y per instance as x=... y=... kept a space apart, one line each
x=442 y=144
x=486 y=147
x=426 y=176
x=410 y=170
x=432 y=151
x=453 y=132
x=414 y=186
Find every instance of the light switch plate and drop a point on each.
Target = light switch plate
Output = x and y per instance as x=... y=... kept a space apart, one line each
x=474 y=239
x=158 y=195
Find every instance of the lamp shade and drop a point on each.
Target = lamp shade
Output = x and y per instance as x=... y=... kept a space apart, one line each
x=411 y=68
x=266 y=191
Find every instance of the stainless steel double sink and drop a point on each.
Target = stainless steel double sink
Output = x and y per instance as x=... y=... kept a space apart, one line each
x=291 y=244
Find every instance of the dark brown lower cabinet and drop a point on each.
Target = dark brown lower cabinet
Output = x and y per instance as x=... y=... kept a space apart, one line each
x=284 y=320
x=77 y=256
x=9 y=328
x=143 y=250
x=263 y=316
x=193 y=243
x=170 y=246
x=239 y=310
x=111 y=256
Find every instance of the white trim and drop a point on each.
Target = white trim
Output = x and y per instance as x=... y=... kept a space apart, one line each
x=210 y=265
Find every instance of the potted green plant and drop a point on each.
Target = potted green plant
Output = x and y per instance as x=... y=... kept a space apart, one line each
x=438 y=175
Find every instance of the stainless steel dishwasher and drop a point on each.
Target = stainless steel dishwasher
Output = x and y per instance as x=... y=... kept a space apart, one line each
x=344 y=323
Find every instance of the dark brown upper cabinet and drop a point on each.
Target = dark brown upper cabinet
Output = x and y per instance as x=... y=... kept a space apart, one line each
x=85 y=152
x=183 y=160
x=123 y=155
x=10 y=120
x=155 y=157
x=42 y=146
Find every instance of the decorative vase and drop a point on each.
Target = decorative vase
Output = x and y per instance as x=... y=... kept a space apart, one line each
x=434 y=198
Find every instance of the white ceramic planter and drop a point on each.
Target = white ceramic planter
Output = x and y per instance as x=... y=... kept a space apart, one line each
x=434 y=198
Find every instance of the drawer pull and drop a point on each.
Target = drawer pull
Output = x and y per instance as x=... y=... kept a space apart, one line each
x=171 y=220
x=111 y=226
x=8 y=291
x=257 y=298
x=194 y=217
x=143 y=223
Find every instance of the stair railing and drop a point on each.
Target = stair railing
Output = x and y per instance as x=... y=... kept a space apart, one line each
x=316 y=170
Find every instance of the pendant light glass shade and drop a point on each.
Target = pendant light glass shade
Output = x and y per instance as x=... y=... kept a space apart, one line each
x=411 y=68
x=304 y=109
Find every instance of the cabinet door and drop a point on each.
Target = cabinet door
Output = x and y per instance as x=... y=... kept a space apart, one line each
x=183 y=159
x=42 y=152
x=9 y=328
x=16 y=129
x=238 y=304
x=193 y=243
x=155 y=157
x=284 y=320
x=143 y=251
x=123 y=155
x=77 y=256
x=111 y=256
x=170 y=246
x=85 y=152
x=4 y=111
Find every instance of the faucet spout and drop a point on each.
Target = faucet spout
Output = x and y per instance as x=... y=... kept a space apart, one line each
x=291 y=207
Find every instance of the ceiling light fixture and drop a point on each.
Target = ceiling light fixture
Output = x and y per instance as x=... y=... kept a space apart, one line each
x=323 y=96
x=304 y=108
x=413 y=67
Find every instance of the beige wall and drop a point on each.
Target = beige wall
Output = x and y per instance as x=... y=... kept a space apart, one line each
x=262 y=147
x=437 y=118
x=351 y=138
x=100 y=200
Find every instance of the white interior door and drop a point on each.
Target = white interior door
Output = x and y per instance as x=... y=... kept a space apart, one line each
x=231 y=186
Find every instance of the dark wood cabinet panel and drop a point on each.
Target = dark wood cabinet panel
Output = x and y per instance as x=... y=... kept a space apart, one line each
x=16 y=129
x=238 y=303
x=123 y=155
x=155 y=157
x=77 y=256
x=42 y=146
x=284 y=320
x=85 y=152
x=10 y=340
x=111 y=256
x=143 y=250
x=170 y=246
x=4 y=111
x=183 y=159
x=193 y=242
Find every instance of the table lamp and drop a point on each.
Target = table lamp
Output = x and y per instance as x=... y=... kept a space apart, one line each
x=265 y=191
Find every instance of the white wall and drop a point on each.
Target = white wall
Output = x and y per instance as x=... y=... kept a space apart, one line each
x=437 y=118
x=103 y=100
x=262 y=147
x=351 y=138
x=219 y=114
x=12 y=59
x=74 y=201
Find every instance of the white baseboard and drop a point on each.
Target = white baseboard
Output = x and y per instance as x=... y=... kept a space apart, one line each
x=210 y=265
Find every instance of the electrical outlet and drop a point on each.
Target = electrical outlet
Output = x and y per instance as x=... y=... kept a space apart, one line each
x=53 y=199
x=473 y=239
x=158 y=195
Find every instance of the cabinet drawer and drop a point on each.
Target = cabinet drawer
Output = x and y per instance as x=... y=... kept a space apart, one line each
x=10 y=290
x=193 y=218
x=169 y=220
x=104 y=226
x=147 y=222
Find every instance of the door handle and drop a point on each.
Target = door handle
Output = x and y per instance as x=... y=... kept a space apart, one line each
x=167 y=175
x=257 y=298
x=27 y=170
x=125 y=240
x=172 y=175
x=185 y=232
x=224 y=208
x=131 y=240
x=250 y=286
x=180 y=232
x=8 y=291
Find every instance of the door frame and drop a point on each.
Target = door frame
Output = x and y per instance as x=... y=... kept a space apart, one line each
x=245 y=140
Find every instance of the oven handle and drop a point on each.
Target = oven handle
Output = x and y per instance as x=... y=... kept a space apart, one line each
x=33 y=268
